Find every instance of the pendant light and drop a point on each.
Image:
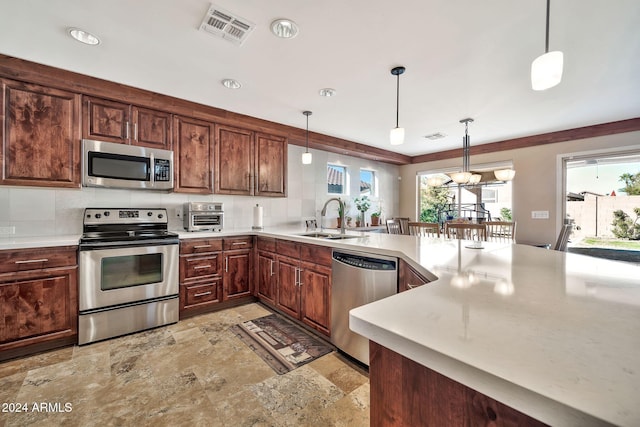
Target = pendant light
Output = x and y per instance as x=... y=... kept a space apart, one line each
x=306 y=156
x=546 y=70
x=397 y=134
x=464 y=176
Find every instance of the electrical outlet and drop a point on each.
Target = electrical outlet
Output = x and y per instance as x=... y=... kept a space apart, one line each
x=6 y=231
x=178 y=212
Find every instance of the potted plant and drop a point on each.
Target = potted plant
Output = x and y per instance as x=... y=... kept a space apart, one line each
x=375 y=217
x=342 y=213
x=362 y=204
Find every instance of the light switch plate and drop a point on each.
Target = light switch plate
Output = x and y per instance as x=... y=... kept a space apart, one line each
x=539 y=214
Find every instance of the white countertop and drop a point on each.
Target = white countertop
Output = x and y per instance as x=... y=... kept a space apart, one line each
x=555 y=335
x=552 y=334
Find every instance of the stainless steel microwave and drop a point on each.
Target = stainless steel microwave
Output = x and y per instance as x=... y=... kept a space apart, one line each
x=105 y=164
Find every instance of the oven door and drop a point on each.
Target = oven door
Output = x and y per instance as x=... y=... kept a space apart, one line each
x=120 y=275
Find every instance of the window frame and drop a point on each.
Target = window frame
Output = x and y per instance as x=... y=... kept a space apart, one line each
x=345 y=180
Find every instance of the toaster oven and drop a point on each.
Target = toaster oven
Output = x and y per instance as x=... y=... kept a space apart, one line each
x=203 y=216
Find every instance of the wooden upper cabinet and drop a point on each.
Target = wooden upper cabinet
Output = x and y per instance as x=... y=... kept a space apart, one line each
x=233 y=161
x=270 y=165
x=193 y=155
x=40 y=136
x=123 y=123
x=250 y=164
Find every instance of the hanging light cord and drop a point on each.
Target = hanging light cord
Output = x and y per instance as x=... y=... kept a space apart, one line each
x=398 y=100
x=307 y=113
x=546 y=40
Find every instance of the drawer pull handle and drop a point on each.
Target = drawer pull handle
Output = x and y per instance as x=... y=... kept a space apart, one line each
x=32 y=261
x=201 y=246
x=240 y=243
x=200 y=267
x=201 y=294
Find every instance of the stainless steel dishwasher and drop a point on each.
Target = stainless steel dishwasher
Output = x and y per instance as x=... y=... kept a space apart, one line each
x=358 y=278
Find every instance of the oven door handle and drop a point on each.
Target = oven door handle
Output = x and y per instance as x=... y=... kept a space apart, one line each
x=126 y=244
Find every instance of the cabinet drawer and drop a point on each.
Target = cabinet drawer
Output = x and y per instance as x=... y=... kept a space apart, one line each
x=288 y=248
x=201 y=292
x=195 y=266
x=319 y=254
x=265 y=244
x=195 y=246
x=35 y=259
x=238 y=243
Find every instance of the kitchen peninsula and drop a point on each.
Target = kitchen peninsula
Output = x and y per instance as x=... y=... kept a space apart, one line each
x=550 y=334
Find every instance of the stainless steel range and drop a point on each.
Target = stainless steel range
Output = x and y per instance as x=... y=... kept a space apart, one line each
x=128 y=273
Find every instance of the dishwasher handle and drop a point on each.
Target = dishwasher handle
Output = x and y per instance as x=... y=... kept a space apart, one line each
x=364 y=262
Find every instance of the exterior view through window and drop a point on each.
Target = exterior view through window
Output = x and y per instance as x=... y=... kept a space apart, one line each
x=367 y=182
x=602 y=204
x=336 y=179
x=489 y=200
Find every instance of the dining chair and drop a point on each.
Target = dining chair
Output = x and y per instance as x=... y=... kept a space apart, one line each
x=501 y=231
x=394 y=226
x=404 y=224
x=563 y=238
x=465 y=231
x=426 y=229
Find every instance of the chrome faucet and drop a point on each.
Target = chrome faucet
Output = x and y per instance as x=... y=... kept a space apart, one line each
x=323 y=212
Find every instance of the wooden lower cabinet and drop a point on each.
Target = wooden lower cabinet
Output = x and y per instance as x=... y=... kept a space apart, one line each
x=408 y=278
x=38 y=306
x=405 y=393
x=211 y=275
x=304 y=288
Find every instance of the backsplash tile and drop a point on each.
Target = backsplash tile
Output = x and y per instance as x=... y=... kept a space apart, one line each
x=43 y=211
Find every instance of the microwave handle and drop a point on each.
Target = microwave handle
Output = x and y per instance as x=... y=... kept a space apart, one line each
x=152 y=172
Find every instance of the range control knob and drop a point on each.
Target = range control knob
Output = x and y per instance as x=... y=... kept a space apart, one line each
x=107 y=213
x=98 y=216
x=149 y=213
x=160 y=216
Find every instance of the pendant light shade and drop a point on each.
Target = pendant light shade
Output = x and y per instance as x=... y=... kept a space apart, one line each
x=504 y=174
x=307 y=156
x=546 y=70
x=396 y=136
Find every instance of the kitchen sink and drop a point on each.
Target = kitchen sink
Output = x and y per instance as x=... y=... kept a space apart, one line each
x=329 y=236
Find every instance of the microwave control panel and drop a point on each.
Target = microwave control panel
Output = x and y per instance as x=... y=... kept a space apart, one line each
x=162 y=170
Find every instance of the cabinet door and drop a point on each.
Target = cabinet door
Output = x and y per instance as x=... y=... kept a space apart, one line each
x=233 y=161
x=193 y=153
x=267 y=278
x=151 y=128
x=409 y=278
x=270 y=166
x=315 y=297
x=237 y=274
x=40 y=136
x=288 y=297
x=38 y=307
x=106 y=120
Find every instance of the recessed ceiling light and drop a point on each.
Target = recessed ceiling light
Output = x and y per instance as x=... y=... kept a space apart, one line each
x=231 y=84
x=327 y=91
x=284 y=28
x=434 y=136
x=83 y=36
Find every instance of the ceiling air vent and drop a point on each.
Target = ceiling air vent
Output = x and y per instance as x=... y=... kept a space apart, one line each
x=221 y=23
x=434 y=136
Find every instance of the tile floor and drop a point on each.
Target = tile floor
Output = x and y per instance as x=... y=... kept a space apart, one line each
x=193 y=373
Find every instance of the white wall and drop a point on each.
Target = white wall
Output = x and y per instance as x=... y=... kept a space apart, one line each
x=43 y=211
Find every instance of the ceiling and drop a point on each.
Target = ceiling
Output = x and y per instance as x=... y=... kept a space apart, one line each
x=463 y=58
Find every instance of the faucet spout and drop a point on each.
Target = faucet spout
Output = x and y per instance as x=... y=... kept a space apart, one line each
x=323 y=212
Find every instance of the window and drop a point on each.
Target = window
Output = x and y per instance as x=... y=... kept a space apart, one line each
x=489 y=195
x=336 y=179
x=367 y=182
